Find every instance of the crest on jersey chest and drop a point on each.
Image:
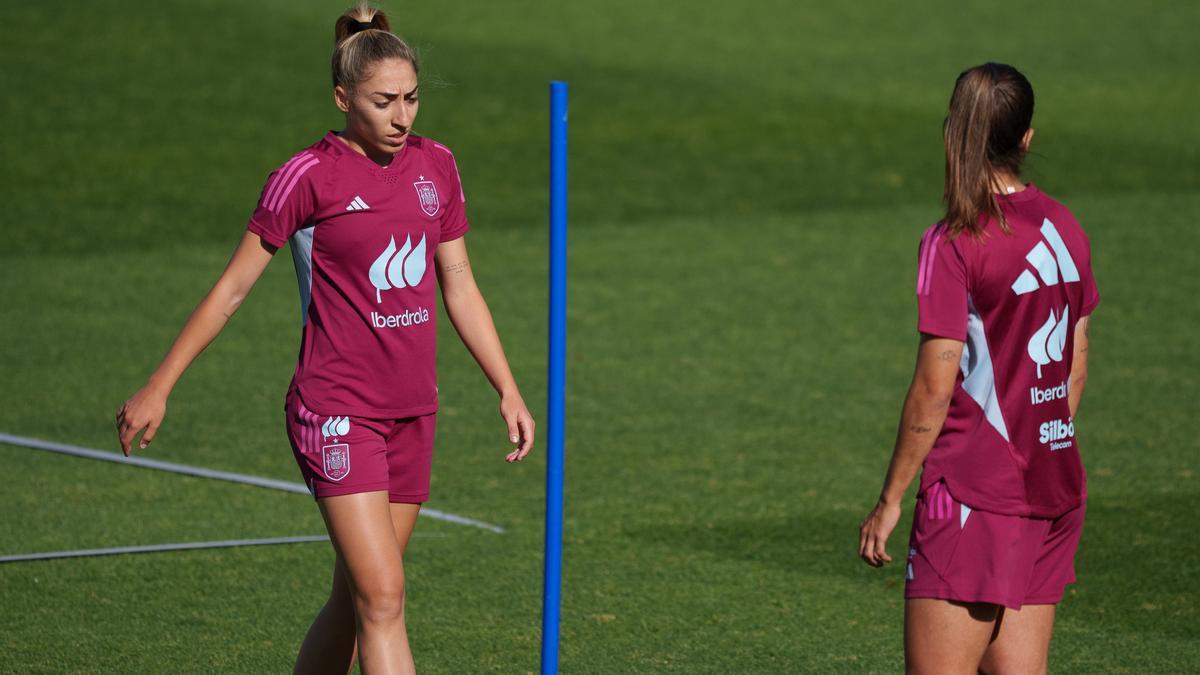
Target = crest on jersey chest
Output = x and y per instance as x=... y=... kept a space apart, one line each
x=428 y=196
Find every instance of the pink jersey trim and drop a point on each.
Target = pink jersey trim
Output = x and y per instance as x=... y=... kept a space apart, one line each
x=921 y=262
x=925 y=278
x=279 y=178
x=298 y=172
x=462 y=195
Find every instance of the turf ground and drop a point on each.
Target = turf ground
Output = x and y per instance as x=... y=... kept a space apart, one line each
x=748 y=185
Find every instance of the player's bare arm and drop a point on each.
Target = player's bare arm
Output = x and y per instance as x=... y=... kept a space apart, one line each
x=921 y=420
x=147 y=407
x=469 y=313
x=1079 y=370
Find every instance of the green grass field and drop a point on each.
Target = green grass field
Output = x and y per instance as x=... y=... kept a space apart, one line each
x=748 y=187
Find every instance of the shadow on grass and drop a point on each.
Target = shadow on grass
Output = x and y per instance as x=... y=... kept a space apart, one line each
x=817 y=543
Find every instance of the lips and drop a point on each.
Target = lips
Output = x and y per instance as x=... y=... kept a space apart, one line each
x=397 y=139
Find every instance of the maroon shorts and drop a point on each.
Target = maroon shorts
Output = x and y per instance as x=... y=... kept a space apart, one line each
x=957 y=553
x=344 y=455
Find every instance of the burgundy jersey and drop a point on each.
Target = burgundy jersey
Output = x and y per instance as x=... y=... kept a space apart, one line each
x=363 y=239
x=1008 y=444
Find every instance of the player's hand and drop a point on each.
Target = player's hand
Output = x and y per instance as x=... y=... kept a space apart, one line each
x=874 y=532
x=520 y=426
x=143 y=410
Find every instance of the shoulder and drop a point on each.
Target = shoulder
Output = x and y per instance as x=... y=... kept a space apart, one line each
x=437 y=153
x=307 y=164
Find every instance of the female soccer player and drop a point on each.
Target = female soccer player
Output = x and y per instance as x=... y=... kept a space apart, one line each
x=1004 y=291
x=368 y=211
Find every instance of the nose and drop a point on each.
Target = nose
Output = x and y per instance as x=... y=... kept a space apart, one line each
x=403 y=119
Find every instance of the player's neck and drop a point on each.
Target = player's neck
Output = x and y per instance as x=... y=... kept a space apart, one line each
x=381 y=158
x=1007 y=183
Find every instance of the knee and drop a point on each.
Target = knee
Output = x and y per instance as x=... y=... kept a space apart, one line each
x=380 y=603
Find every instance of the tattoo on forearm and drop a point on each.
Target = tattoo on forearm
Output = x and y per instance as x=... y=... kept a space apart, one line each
x=458 y=267
x=947 y=355
x=919 y=429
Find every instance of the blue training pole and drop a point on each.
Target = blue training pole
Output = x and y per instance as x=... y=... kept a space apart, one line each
x=557 y=377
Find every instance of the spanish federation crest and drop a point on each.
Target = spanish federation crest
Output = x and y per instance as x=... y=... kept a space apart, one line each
x=428 y=195
x=335 y=459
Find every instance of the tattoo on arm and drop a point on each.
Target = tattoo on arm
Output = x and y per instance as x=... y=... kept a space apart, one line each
x=458 y=267
x=919 y=429
x=947 y=355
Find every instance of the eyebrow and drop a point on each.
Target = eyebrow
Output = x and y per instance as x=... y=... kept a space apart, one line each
x=390 y=95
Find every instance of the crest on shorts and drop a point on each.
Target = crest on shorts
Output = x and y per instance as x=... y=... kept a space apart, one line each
x=428 y=195
x=335 y=459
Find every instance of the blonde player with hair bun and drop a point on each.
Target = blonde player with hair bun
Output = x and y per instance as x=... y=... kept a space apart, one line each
x=375 y=218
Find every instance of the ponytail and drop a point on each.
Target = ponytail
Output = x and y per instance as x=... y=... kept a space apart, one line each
x=362 y=37
x=990 y=111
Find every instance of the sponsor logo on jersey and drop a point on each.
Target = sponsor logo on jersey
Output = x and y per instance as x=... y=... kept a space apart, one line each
x=1057 y=433
x=357 y=204
x=1050 y=267
x=398 y=268
x=1038 y=396
x=427 y=193
x=1048 y=343
x=403 y=320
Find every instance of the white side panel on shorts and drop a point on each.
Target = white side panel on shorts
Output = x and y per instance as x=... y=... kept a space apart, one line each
x=302 y=242
x=978 y=378
x=964 y=511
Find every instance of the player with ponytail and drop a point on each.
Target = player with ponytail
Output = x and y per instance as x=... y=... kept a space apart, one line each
x=375 y=217
x=1004 y=294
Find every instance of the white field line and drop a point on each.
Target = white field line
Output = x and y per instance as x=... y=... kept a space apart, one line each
x=185 y=546
x=201 y=472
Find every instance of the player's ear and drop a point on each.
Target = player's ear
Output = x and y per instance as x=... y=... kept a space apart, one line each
x=341 y=98
x=1026 y=140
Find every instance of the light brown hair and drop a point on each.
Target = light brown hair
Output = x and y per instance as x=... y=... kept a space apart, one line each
x=990 y=111
x=362 y=37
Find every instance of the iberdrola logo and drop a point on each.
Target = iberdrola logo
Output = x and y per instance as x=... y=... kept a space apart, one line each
x=397 y=269
x=1048 y=342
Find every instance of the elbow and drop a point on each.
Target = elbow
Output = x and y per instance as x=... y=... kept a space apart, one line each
x=933 y=395
x=1079 y=378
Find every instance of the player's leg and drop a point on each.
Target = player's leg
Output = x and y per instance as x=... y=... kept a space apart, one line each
x=329 y=645
x=946 y=636
x=404 y=520
x=363 y=534
x=1022 y=643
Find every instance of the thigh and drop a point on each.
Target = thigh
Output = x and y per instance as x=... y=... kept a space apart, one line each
x=1022 y=643
x=945 y=636
x=360 y=526
x=404 y=519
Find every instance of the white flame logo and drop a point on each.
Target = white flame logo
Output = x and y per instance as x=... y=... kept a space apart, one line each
x=1048 y=342
x=336 y=426
x=394 y=269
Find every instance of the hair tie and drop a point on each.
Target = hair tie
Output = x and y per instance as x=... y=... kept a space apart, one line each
x=360 y=26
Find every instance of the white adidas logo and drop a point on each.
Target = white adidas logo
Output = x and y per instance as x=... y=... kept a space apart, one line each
x=357 y=204
x=1048 y=268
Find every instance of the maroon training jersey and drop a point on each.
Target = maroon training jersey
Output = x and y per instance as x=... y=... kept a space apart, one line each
x=1008 y=444
x=363 y=239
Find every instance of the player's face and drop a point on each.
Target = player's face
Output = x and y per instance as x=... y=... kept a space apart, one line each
x=381 y=109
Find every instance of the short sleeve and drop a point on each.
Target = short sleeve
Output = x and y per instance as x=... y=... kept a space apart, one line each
x=288 y=200
x=941 y=287
x=454 y=215
x=1091 y=293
